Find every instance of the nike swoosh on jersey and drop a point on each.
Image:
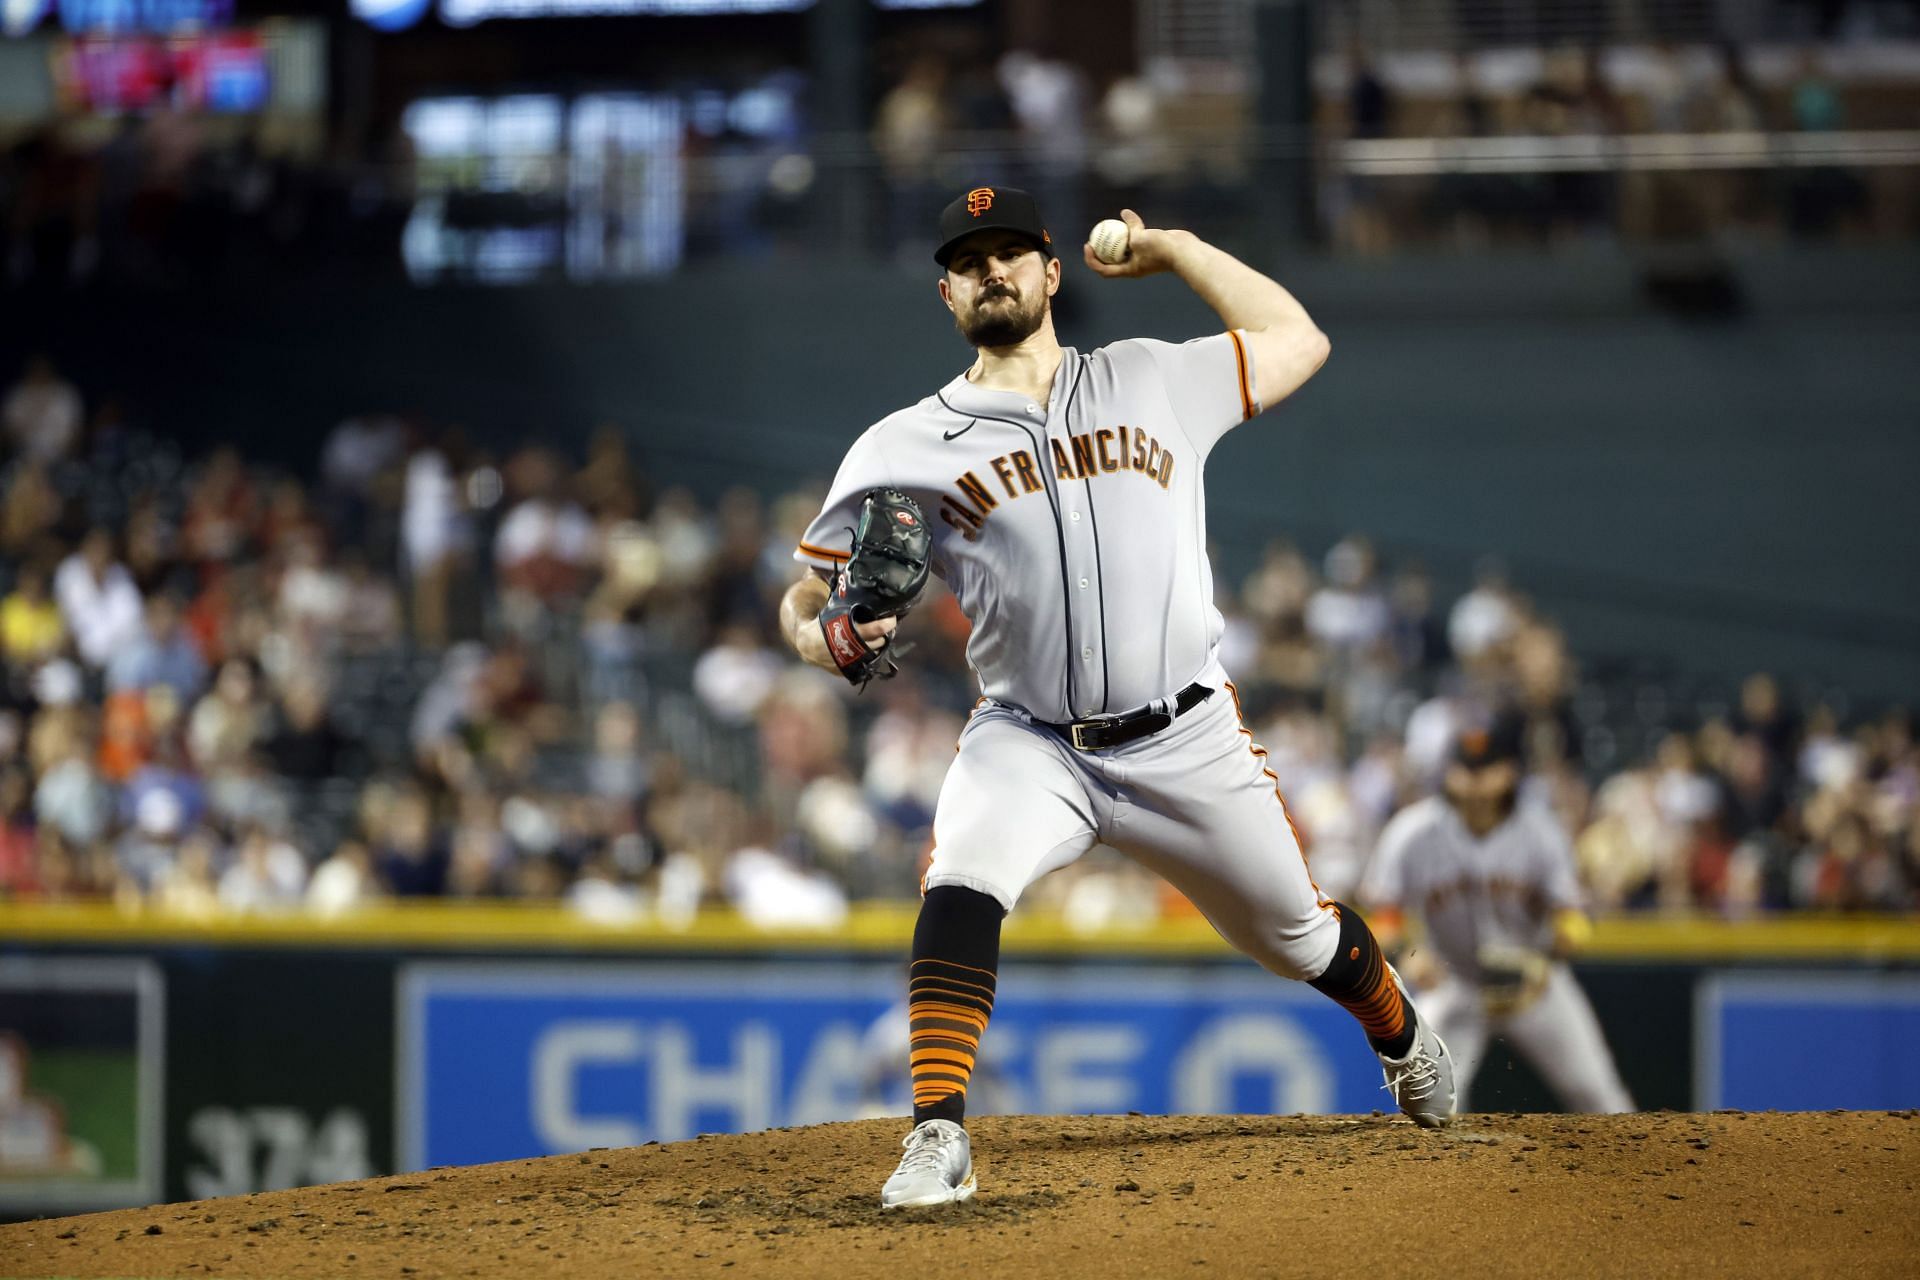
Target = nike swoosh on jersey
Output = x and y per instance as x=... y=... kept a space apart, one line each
x=955 y=435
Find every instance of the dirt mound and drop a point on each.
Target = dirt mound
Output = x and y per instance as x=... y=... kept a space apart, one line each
x=1107 y=1196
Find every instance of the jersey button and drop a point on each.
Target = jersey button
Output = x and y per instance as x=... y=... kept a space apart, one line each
x=1087 y=652
x=1083 y=584
x=1076 y=517
x=1033 y=409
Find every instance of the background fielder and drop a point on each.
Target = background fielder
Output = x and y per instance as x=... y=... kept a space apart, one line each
x=1064 y=493
x=1491 y=885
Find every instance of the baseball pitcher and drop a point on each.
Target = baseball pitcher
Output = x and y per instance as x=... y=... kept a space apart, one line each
x=1059 y=494
x=1491 y=883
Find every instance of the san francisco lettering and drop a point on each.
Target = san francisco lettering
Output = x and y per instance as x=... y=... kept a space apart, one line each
x=1106 y=451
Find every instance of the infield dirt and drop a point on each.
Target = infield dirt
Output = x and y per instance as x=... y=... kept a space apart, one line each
x=1821 y=1194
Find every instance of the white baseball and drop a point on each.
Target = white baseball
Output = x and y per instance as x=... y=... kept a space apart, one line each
x=1109 y=241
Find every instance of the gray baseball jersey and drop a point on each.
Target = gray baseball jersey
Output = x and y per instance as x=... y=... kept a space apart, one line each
x=1074 y=537
x=1072 y=534
x=1505 y=888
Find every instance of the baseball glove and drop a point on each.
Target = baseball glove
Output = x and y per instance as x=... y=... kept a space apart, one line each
x=892 y=552
x=1511 y=978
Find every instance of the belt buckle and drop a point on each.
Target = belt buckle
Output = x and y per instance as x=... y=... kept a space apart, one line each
x=1077 y=726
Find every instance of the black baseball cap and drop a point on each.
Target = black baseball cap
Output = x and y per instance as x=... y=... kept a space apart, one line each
x=991 y=209
x=1479 y=746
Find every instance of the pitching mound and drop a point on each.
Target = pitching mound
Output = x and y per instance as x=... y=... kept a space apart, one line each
x=1723 y=1194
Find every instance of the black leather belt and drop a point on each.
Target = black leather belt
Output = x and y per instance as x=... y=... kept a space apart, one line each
x=1102 y=732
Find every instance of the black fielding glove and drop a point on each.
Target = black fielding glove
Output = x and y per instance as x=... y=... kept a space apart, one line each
x=882 y=578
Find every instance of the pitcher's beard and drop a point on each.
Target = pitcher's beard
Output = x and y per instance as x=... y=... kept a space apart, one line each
x=998 y=326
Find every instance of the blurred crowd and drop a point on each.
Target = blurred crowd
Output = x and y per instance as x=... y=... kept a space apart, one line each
x=170 y=196
x=175 y=195
x=1561 y=96
x=426 y=669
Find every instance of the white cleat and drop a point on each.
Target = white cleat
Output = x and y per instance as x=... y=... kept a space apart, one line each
x=937 y=1169
x=1422 y=1082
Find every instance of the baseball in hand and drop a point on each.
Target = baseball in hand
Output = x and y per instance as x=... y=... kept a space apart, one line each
x=1109 y=241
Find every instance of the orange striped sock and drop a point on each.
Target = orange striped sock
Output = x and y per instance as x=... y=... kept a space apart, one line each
x=1359 y=982
x=947 y=1010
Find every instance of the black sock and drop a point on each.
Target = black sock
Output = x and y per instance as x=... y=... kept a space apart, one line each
x=1358 y=980
x=950 y=986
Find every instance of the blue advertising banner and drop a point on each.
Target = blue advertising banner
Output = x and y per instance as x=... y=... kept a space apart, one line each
x=1808 y=1041
x=499 y=1061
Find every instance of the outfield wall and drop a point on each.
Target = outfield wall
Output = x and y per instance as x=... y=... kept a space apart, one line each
x=192 y=1060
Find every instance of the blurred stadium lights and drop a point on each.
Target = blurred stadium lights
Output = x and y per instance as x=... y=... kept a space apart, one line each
x=397 y=15
x=625 y=195
x=465 y=13
x=1236 y=114
x=117 y=17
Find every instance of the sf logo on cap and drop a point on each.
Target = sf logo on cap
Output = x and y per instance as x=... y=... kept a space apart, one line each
x=979 y=200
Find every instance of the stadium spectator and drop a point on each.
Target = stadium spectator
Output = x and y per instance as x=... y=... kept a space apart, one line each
x=343 y=882
x=357 y=452
x=19 y=872
x=1349 y=614
x=42 y=414
x=908 y=128
x=162 y=654
x=1822 y=199
x=222 y=511
x=228 y=722
x=29 y=510
x=735 y=676
x=1136 y=155
x=98 y=599
x=1419 y=641
x=545 y=545
x=1626 y=853
x=908 y=748
x=477 y=861
x=266 y=875
x=71 y=797
x=609 y=483
x=1814 y=101
x=371 y=619
x=1364 y=227
x=145 y=853
x=152 y=547
x=287 y=518
x=1049 y=99
x=1485 y=618
x=1763 y=716
x=186 y=879
x=307 y=746
x=1738 y=106
x=165 y=773
x=618 y=769
x=410 y=860
x=603 y=895
x=437 y=536
x=31 y=629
